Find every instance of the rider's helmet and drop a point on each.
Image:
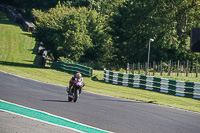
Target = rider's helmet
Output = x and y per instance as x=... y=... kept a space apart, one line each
x=78 y=76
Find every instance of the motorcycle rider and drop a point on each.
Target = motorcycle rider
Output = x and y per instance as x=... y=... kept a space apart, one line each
x=78 y=77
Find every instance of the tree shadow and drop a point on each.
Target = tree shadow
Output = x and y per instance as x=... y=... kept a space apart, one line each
x=28 y=60
x=4 y=19
x=27 y=34
x=121 y=100
x=18 y=64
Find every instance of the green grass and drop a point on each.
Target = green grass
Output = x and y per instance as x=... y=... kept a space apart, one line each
x=16 y=57
x=182 y=77
x=15 y=45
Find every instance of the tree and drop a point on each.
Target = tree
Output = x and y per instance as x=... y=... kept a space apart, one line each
x=101 y=40
x=26 y=6
x=135 y=22
x=75 y=33
x=62 y=31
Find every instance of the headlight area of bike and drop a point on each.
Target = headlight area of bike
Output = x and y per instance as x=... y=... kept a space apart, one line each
x=79 y=83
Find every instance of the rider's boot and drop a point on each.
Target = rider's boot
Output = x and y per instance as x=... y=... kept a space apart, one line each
x=67 y=90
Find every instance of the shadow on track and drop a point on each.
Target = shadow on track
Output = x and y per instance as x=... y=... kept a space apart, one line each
x=125 y=101
x=59 y=101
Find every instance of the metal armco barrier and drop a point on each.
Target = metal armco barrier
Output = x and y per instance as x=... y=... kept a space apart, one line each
x=173 y=87
x=72 y=68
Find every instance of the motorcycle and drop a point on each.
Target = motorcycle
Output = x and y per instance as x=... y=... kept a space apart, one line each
x=75 y=91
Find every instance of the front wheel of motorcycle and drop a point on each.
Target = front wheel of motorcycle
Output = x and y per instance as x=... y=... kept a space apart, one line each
x=76 y=94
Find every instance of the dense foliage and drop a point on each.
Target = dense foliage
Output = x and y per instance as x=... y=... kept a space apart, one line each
x=169 y=23
x=77 y=34
x=115 y=32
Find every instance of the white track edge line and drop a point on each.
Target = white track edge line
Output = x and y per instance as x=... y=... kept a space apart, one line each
x=56 y=116
x=42 y=121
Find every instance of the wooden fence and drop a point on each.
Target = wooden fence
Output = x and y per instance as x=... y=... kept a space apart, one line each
x=165 y=68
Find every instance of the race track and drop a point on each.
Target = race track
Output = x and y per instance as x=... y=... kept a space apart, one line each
x=104 y=112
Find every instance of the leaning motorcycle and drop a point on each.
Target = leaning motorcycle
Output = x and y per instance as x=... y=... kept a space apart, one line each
x=75 y=91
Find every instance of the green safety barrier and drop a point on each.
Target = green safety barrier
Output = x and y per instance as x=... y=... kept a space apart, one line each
x=72 y=68
x=173 y=87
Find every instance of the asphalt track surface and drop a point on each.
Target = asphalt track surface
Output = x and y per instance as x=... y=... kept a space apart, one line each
x=104 y=112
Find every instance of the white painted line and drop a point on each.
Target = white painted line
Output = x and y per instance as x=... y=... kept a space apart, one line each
x=42 y=121
x=54 y=116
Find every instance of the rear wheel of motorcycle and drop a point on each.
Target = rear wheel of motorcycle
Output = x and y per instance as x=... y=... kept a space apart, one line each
x=76 y=93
